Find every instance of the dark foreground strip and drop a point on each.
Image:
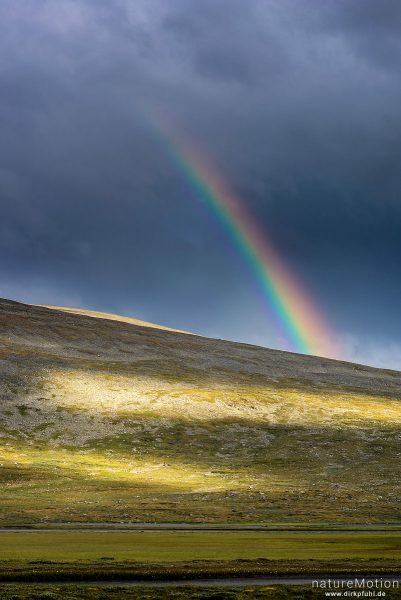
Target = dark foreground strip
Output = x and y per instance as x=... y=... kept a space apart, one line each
x=212 y=582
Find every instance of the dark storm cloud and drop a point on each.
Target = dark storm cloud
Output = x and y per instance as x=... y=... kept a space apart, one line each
x=297 y=103
x=372 y=28
x=216 y=39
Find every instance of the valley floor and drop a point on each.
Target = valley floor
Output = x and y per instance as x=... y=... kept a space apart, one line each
x=163 y=555
x=153 y=546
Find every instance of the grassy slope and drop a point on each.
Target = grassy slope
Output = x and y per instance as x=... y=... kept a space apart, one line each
x=105 y=420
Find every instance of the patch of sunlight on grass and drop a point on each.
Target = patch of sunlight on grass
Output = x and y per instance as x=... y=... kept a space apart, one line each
x=138 y=396
x=111 y=317
x=139 y=472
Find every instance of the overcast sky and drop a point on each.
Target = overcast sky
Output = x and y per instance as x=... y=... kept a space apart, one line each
x=297 y=103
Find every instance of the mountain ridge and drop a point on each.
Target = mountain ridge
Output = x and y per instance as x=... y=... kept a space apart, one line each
x=101 y=315
x=108 y=316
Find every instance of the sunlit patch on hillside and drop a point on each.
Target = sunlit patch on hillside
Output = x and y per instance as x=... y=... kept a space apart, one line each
x=139 y=397
x=139 y=472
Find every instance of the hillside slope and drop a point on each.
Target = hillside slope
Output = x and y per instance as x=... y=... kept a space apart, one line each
x=104 y=420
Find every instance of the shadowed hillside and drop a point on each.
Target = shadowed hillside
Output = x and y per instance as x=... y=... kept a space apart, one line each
x=107 y=420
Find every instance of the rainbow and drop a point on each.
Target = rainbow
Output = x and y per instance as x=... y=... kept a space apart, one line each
x=298 y=320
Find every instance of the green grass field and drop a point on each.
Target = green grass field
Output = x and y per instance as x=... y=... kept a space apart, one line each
x=154 y=546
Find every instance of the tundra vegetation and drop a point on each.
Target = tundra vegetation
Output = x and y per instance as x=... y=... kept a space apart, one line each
x=103 y=420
